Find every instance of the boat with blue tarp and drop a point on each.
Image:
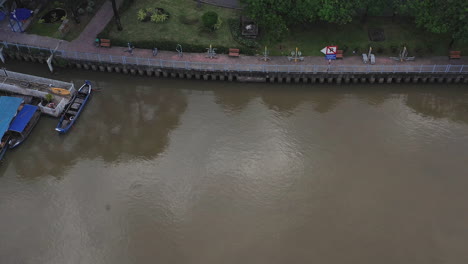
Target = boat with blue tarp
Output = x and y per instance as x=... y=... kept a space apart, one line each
x=23 y=124
x=74 y=109
x=8 y=109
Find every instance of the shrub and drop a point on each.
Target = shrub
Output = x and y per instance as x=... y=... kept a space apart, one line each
x=41 y=21
x=48 y=97
x=89 y=9
x=91 y=3
x=218 y=24
x=81 y=11
x=141 y=15
x=209 y=19
x=159 y=18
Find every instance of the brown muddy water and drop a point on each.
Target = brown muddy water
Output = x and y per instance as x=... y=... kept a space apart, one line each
x=177 y=171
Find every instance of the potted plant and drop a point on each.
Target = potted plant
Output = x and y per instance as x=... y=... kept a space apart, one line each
x=47 y=99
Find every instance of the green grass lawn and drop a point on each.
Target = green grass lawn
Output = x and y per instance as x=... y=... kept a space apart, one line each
x=354 y=36
x=184 y=24
x=45 y=29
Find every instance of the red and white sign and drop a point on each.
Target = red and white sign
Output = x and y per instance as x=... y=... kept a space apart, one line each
x=329 y=50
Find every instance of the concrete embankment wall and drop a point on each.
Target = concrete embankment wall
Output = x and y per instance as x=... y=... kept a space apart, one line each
x=269 y=77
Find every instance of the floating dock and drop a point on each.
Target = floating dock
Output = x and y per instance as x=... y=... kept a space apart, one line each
x=33 y=88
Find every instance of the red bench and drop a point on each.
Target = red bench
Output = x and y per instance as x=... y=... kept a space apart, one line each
x=234 y=52
x=339 y=54
x=455 y=55
x=105 y=43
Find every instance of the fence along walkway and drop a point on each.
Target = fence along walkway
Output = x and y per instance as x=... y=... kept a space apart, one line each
x=226 y=67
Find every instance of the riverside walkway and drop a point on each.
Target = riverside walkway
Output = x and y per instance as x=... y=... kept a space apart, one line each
x=83 y=48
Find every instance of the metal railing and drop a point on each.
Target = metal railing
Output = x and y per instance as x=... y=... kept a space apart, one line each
x=227 y=67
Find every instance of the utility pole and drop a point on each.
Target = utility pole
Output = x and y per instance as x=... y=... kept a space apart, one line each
x=116 y=15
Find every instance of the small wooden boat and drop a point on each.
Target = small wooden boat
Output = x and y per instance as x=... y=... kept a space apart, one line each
x=59 y=91
x=23 y=124
x=74 y=109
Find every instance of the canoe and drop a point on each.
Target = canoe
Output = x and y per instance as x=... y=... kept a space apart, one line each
x=74 y=109
x=59 y=91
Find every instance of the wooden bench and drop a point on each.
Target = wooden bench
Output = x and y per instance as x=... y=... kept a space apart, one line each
x=234 y=52
x=339 y=54
x=455 y=55
x=105 y=43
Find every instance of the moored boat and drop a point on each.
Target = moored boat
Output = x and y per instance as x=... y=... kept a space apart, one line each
x=74 y=109
x=23 y=124
x=8 y=109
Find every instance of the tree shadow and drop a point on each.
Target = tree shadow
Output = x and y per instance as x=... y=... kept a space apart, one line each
x=449 y=103
x=119 y=127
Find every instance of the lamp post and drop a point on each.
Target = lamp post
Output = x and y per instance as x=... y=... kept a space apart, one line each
x=265 y=55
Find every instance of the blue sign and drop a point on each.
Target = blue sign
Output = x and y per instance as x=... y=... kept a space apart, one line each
x=330 y=57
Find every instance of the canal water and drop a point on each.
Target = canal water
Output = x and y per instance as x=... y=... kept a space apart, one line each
x=177 y=171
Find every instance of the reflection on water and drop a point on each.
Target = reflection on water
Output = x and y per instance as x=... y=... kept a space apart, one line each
x=171 y=171
x=449 y=104
x=119 y=124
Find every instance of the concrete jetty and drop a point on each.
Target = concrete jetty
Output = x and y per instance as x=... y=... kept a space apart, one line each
x=37 y=88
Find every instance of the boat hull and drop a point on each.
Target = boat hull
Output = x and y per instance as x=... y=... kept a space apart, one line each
x=74 y=108
x=2 y=152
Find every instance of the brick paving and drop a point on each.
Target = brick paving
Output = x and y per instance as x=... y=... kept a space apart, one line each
x=85 y=43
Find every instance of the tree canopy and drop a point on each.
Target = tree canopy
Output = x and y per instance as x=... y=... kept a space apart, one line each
x=438 y=16
x=442 y=16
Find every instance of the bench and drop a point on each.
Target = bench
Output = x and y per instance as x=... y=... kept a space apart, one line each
x=105 y=43
x=234 y=52
x=455 y=55
x=339 y=54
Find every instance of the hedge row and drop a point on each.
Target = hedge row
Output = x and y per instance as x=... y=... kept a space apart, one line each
x=392 y=49
x=171 y=45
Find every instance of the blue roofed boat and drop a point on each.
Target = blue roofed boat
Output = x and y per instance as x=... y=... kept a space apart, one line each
x=8 y=110
x=23 y=124
x=74 y=109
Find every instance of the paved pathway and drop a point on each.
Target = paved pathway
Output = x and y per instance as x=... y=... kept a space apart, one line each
x=85 y=43
x=223 y=3
x=95 y=26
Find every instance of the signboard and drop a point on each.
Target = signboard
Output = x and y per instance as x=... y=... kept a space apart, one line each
x=331 y=50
